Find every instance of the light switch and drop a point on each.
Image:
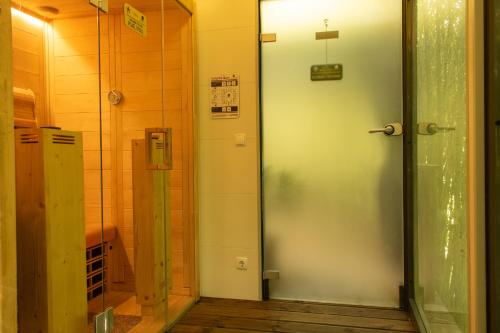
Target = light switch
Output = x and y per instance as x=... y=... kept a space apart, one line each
x=241 y=139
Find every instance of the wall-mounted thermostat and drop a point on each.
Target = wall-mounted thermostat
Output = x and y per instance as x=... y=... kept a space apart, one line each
x=225 y=96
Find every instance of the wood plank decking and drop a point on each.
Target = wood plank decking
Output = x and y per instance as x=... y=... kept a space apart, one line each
x=235 y=316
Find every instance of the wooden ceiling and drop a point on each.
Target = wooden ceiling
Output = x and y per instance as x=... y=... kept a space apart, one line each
x=77 y=8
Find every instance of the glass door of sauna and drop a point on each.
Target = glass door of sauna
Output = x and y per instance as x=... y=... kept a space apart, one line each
x=144 y=74
x=333 y=191
x=440 y=157
x=139 y=147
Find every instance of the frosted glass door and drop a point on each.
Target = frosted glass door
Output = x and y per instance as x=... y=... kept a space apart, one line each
x=332 y=191
x=440 y=120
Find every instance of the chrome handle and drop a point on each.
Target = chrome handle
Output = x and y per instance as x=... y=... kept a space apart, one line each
x=432 y=128
x=387 y=130
x=393 y=129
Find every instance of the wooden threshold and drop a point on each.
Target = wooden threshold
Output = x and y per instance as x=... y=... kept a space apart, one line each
x=236 y=316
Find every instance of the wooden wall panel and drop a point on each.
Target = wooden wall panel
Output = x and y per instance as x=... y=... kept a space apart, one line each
x=8 y=272
x=75 y=102
x=29 y=60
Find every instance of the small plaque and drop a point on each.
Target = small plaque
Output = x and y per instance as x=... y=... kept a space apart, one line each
x=327 y=35
x=328 y=72
x=135 y=20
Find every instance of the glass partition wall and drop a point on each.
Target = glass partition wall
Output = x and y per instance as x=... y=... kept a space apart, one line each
x=440 y=165
x=121 y=79
x=150 y=155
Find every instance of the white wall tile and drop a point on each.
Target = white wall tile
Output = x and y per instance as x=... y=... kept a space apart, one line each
x=227 y=43
x=232 y=51
x=227 y=168
x=229 y=220
x=224 y=14
x=221 y=278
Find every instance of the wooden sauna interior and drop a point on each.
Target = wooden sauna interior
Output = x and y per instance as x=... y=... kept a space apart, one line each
x=56 y=59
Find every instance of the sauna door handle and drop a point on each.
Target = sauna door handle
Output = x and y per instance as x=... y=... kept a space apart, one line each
x=158 y=143
x=393 y=129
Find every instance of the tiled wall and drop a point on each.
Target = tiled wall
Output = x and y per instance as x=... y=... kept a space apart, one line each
x=229 y=219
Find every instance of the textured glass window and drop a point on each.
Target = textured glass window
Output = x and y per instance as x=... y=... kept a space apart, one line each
x=441 y=168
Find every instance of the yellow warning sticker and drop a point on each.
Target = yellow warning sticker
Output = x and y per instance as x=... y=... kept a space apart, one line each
x=135 y=20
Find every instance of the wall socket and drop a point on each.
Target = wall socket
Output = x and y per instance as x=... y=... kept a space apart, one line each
x=242 y=263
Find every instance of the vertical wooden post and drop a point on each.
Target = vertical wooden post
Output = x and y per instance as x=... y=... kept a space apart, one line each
x=476 y=166
x=8 y=286
x=149 y=235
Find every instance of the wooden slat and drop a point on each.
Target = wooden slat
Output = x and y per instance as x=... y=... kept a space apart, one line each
x=198 y=329
x=28 y=63
x=263 y=325
x=363 y=322
x=475 y=167
x=308 y=307
x=149 y=238
x=292 y=317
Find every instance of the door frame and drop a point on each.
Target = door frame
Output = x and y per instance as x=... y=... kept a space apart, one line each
x=405 y=291
x=492 y=193
x=475 y=186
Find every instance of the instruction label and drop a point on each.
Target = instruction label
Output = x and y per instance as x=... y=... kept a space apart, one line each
x=327 y=72
x=135 y=20
x=225 y=96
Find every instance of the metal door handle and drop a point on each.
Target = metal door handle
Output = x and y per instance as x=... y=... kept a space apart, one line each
x=432 y=128
x=393 y=129
x=158 y=140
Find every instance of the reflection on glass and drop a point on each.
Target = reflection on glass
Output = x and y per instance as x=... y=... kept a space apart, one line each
x=441 y=170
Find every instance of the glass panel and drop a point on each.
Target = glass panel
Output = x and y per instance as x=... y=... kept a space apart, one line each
x=332 y=191
x=137 y=282
x=127 y=187
x=56 y=76
x=150 y=148
x=441 y=165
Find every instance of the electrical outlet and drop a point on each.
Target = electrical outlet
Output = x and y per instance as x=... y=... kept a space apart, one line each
x=242 y=263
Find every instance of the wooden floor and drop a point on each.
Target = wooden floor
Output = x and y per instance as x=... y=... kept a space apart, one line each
x=233 y=316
